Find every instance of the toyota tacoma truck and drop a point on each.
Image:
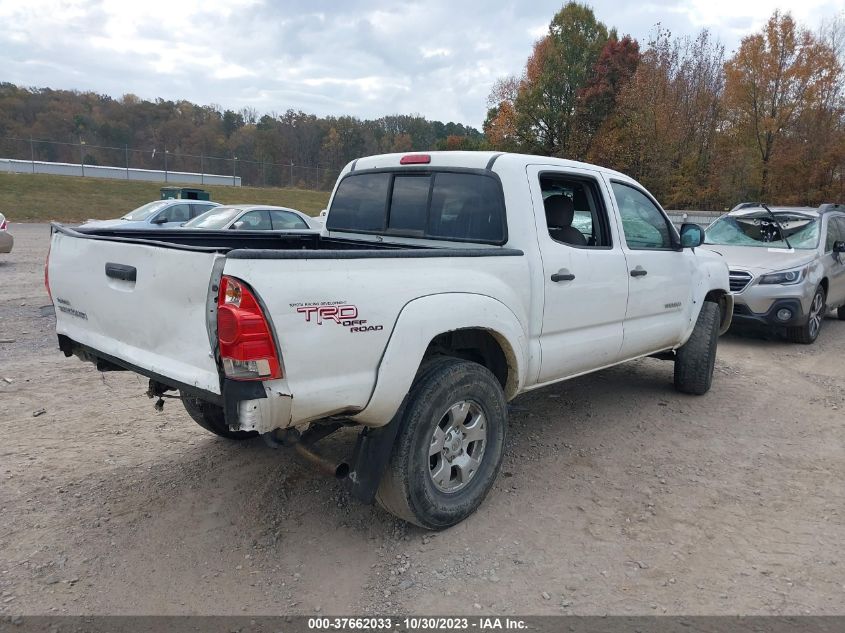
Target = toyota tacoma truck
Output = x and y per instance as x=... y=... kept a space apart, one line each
x=442 y=286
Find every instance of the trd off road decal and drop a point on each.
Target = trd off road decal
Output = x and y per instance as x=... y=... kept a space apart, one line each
x=338 y=312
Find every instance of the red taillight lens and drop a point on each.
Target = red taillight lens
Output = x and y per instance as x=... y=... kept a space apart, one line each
x=246 y=344
x=4 y=225
x=47 y=272
x=415 y=159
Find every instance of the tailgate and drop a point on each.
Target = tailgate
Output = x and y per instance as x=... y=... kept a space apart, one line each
x=144 y=304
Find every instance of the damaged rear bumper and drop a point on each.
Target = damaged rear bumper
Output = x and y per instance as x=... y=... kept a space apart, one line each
x=247 y=405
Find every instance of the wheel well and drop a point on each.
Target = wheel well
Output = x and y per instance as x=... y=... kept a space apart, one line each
x=479 y=346
x=824 y=285
x=718 y=297
x=715 y=296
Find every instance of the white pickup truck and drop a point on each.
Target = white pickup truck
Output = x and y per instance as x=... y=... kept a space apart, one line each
x=442 y=286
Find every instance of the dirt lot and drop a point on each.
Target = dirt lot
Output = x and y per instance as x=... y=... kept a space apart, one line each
x=617 y=496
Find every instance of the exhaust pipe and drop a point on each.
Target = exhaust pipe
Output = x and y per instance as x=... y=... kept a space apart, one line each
x=325 y=466
x=302 y=444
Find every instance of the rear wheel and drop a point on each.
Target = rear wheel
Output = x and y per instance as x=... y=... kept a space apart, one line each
x=210 y=417
x=809 y=332
x=450 y=445
x=695 y=359
x=841 y=313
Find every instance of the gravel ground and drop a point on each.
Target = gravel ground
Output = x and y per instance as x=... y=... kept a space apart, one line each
x=618 y=495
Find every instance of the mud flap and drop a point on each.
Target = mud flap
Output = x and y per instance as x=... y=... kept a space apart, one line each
x=372 y=452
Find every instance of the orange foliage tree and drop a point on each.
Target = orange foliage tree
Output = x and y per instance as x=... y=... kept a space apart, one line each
x=777 y=80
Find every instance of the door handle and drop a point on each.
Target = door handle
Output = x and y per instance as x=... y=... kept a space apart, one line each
x=563 y=275
x=121 y=271
x=639 y=271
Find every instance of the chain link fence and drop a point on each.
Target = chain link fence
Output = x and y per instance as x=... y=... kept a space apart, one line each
x=236 y=170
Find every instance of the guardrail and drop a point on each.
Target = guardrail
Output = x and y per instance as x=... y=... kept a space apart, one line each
x=12 y=165
x=704 y=218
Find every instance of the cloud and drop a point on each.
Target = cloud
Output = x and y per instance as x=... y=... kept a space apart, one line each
x=366 y=58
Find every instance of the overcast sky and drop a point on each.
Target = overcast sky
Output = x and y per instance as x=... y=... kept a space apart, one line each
x=366 y=58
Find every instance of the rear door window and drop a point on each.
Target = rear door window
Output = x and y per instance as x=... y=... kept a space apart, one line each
x=456 y=206
x=285 y=220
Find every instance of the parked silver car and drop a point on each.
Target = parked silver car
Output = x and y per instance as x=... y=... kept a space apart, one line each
x=254 y=217
x=159 y=214
x=787 y=265
x=6 y=239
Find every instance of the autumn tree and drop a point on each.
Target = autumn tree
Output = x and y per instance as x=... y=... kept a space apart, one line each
x=773 y=80
x=539 y=114
x=596 y=101
x=500 y=124
x=666 y=118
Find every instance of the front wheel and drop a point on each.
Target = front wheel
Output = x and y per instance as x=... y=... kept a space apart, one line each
x=809 y=332
x=210 y=417
x=695 y=359
x=450 y=445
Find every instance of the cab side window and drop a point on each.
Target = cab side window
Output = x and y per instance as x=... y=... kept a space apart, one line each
x=575 y=215
x=643 y=223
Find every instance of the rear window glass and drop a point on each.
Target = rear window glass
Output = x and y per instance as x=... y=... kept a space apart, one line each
x=408 y=203
x=444 y=205
x=359 y=203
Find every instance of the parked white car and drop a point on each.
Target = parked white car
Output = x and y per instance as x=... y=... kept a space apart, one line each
x=253 y=217
x=443 y=286
x=158 y=214
x=6 y=239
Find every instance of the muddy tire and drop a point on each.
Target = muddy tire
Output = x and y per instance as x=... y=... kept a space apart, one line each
x=808 y=333
x=210 y=417
x=695 y=359
x=450 y=445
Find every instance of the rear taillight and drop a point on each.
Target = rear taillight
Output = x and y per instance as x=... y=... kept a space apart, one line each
x=247 y=349
x=47 y=272
x=4 y=224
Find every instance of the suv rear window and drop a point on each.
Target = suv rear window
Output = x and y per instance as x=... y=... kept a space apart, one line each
x=467 y=207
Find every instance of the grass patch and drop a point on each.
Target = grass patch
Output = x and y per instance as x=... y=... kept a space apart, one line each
x=46 y=198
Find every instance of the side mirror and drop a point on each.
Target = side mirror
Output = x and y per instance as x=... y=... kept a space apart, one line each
x=692 y=235
x=237 y=225
x=839 y=246
x=162 y=219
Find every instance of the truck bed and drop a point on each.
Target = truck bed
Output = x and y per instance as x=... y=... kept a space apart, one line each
x=147 y=301
x=270 y=245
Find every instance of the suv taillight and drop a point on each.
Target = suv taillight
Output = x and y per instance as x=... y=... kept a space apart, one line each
x=247 y=349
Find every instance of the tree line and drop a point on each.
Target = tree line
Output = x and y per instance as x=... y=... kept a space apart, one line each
x=79 y=124
x=698 y=129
